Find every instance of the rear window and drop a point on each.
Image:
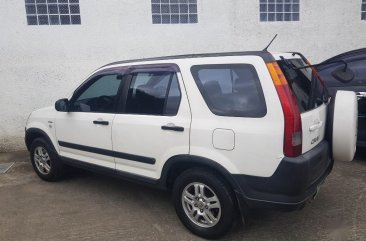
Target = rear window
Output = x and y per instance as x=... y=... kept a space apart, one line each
x=230 y=89
x=301 y=81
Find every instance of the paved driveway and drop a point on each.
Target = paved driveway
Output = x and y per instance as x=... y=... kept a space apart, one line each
x=88 y=206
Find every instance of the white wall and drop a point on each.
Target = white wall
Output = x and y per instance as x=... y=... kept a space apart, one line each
x=39 y=64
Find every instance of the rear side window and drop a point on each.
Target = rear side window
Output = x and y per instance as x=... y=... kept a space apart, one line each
x=230 y=89
x=153 y=93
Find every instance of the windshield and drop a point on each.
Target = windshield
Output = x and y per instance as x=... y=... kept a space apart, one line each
x=306 y=86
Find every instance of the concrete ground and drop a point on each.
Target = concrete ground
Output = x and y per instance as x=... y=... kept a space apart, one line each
x=88 y=206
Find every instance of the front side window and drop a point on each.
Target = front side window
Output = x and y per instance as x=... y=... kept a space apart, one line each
x=99 y=96
x=230 y=89
x=153 y=93
x=363 y=10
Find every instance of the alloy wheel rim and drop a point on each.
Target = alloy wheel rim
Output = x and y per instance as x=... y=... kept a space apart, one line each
x=42 y=160
x=201 y=205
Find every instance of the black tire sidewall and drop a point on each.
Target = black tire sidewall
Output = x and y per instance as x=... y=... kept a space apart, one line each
x=223 y=192
x=56 y=164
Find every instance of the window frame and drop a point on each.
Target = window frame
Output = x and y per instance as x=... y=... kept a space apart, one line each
x=174 y=12
x=194 y=71
x=91 y=80
x=279 y=9
x=121 y=109
x=48 y=14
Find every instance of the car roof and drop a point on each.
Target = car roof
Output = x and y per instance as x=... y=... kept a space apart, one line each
x=348 y=54
x=264 y=54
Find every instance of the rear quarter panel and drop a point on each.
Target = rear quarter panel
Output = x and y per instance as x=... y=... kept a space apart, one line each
x=258 y=147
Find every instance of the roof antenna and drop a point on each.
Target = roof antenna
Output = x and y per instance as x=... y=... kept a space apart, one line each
x=265 y=49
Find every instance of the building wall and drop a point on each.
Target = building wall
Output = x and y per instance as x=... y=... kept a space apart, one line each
x=40 y=64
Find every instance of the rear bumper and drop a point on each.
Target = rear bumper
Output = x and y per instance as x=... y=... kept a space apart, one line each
x=295 y=181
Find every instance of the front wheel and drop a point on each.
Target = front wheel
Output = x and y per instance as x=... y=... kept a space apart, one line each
x=204 y=203
x=45 y=161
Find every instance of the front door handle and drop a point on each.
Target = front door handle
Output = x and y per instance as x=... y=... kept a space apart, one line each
x=99 y=122
x=172 y=128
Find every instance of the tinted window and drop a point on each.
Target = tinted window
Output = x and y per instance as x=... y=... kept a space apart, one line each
x=301 y=81
x=173 y=100
x=230 y=90
x=357 y=66
x=153 y=93
x=100 y=96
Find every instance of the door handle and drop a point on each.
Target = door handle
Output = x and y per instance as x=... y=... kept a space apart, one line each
x=316 y=126
x=172 y=128
x=98 y=122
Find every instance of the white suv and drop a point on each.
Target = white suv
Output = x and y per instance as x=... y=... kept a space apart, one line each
x=224 y=132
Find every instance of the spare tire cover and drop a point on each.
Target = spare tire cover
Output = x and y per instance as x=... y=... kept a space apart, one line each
x=345 y=116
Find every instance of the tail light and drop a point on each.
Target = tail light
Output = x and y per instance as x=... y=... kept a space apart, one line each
x=292 y=145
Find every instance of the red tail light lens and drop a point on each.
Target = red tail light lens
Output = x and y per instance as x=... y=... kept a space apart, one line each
x=292 y=146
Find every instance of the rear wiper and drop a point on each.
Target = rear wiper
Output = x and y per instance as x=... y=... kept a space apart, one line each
x=326 y=94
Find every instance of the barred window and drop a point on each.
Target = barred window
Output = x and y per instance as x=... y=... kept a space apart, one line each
x=279 y=10
x=363 y=10
x=52 y=12
x=174 y=11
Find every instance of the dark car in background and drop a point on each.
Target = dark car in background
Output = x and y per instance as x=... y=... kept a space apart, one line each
x=356 y=61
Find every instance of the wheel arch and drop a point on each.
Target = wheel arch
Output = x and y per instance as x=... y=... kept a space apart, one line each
x=180 y=163
x=33 y=133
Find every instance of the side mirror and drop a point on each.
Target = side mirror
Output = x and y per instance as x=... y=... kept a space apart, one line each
x=343 y=74
x=62 y=105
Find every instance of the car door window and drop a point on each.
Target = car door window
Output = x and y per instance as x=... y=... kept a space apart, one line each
x=153 y=93
x=99 y=96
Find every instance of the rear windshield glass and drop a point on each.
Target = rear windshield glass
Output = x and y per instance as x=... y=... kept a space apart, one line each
x=301 y=81
x=230 y=89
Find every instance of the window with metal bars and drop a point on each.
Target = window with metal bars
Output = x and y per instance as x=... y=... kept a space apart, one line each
x=174 y=11
x=279 y=10
x=52 y=12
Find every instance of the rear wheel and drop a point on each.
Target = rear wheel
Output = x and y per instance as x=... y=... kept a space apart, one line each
x=204 y=203
x=45 y=161
x=344 y=128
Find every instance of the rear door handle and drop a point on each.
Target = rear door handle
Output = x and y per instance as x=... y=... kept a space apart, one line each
x=172 y=128
x=98 y=122
x=316 y=126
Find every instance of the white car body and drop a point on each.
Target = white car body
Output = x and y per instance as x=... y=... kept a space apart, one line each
x=249 y=152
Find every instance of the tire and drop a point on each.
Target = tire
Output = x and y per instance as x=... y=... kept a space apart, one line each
x=45 y=160
x=201 y=206
x=345 y=117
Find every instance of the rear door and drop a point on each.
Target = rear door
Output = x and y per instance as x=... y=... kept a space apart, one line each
x=154 y=123
x=309 y=94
